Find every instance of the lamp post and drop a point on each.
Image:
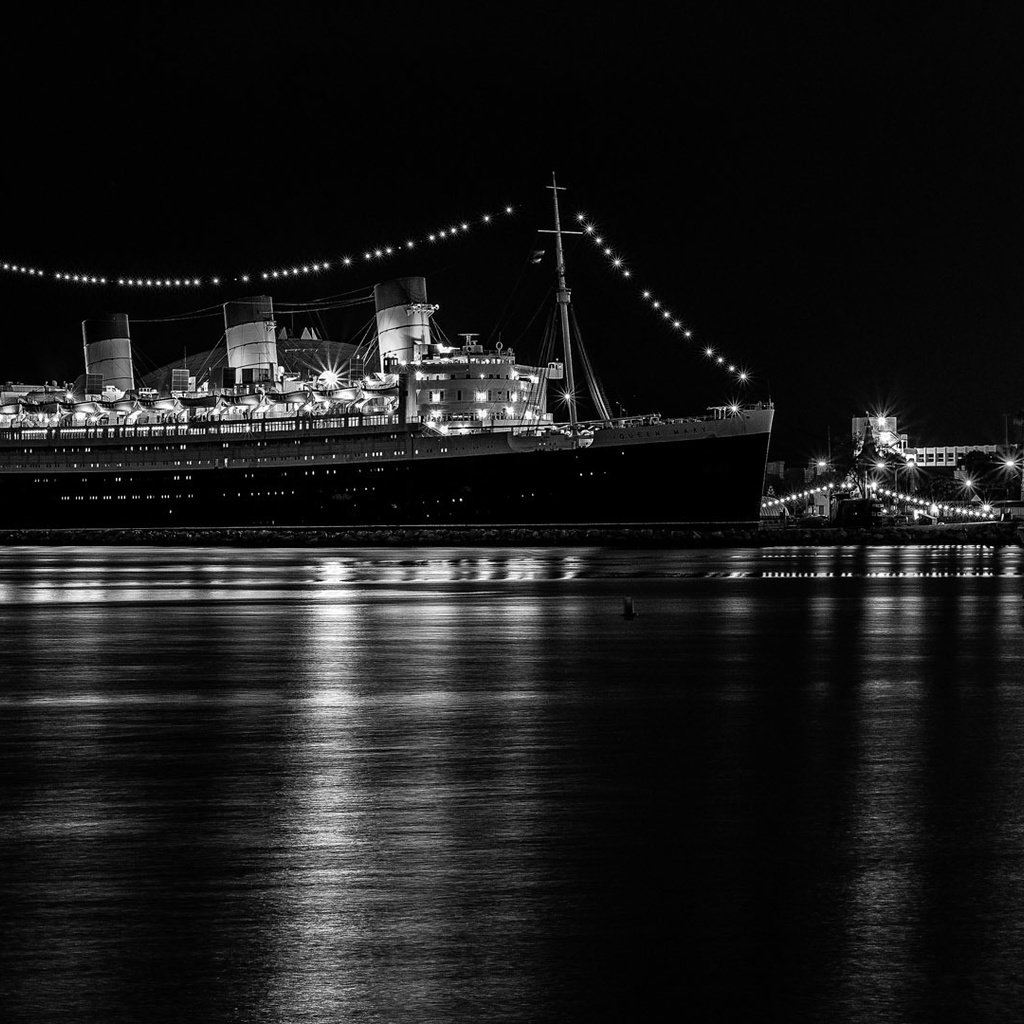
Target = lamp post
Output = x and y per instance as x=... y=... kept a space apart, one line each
x=1013 y=467
x=969 y=488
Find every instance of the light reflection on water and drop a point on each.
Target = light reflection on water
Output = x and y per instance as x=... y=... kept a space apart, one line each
x=450 y=784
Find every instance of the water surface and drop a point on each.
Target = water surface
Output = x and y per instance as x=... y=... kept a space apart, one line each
x=457 y=784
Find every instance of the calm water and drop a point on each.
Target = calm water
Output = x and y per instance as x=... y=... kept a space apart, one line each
x=457 y=785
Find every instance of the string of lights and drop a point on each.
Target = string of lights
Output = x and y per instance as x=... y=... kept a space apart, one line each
x=452 y=230
x=945 y=509
x=795 y=496
x=985 y=512
x=382 y=252
x=618 y=264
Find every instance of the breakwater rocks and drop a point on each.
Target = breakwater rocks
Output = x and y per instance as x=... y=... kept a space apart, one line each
x=986 y=534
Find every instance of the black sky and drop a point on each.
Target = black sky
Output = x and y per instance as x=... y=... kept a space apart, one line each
x=833 y=197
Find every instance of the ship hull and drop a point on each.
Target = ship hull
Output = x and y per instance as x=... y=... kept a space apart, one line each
x=679 y=472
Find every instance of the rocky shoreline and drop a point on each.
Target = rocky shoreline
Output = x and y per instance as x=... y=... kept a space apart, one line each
x=986 y=534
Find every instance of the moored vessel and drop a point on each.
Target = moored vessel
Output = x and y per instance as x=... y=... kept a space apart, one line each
x=403 y=427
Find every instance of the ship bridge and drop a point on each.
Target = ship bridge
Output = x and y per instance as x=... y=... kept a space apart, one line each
x=469 y=387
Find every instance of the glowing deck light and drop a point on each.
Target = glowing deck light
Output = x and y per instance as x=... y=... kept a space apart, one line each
x=743 y=376
x=709 y=352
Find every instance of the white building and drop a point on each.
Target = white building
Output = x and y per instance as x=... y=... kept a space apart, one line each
x=949 y=455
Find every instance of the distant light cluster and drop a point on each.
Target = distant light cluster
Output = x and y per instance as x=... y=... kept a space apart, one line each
x=985 y=513
x=618 y=263
x=455 y=229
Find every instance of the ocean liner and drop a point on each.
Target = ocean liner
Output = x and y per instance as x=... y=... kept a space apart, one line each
x=405 y=428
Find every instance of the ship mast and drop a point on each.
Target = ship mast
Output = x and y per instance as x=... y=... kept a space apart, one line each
x=564 y=295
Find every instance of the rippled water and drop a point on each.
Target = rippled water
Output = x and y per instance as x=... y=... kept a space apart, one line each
x=452 y=784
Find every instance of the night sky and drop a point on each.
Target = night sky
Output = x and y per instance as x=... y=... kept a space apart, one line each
x=833 y=199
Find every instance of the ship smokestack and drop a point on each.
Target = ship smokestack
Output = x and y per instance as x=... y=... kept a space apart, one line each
x=108 y=350
x=403 y=318
x=249 y=333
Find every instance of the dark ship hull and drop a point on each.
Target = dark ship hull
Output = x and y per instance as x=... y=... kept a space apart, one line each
x=629 y=472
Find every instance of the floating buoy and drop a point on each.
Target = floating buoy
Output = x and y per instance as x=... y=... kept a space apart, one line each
x=628 y=611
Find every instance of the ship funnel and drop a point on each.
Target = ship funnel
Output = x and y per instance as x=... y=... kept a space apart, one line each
x=403 y=318
x=249 y=332
x=108 y=351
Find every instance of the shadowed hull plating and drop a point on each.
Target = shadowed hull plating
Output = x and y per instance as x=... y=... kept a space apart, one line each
x=665 y=480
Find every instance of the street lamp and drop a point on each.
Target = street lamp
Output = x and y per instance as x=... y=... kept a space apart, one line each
x=968 y=488
x=1013 y=467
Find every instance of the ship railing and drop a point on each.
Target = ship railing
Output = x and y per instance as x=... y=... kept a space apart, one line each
x=193 y=430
